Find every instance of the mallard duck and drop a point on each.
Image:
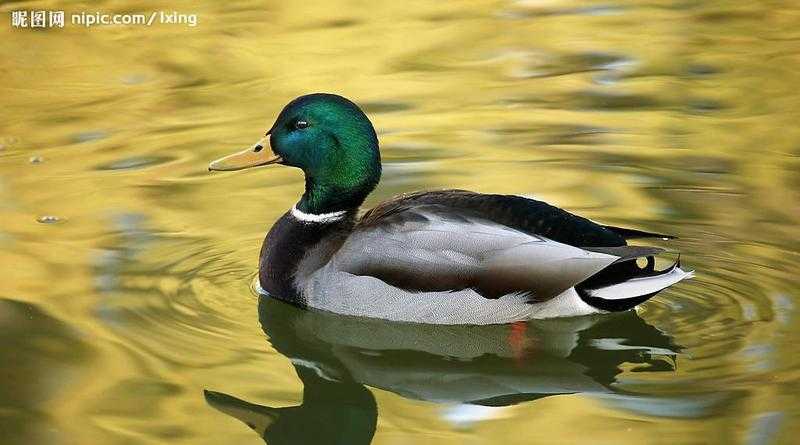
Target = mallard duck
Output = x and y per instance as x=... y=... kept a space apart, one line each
x=441 y=257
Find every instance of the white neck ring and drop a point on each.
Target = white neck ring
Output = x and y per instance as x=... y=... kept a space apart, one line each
x=320 y=218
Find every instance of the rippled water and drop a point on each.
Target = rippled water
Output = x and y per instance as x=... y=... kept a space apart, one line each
x=127 y=266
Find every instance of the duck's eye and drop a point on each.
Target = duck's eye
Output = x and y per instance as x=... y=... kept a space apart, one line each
x=301 y=124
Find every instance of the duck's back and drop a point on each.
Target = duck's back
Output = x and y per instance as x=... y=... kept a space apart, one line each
x=462 y=257
x=523 y=214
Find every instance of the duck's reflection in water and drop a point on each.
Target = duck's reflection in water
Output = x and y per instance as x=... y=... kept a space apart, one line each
x=338 y=357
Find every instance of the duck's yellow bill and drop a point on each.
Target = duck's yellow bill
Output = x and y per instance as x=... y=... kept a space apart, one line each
x=255 y=156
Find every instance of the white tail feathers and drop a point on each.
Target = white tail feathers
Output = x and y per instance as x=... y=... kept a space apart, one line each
x=638 y=287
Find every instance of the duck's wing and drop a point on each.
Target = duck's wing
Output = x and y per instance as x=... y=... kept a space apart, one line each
x=637 y=234
x=432 y=250
x=523 y=214
x=455 y=240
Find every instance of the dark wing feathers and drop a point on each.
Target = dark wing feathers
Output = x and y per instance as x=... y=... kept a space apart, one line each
x=636 y=234
x=523 y=214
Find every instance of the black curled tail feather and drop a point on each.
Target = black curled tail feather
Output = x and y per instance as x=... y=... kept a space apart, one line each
x=619 y=274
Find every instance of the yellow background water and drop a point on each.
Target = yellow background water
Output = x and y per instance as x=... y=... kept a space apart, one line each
x=666 y=115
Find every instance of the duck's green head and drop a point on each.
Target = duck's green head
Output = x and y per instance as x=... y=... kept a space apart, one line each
x=331 y=140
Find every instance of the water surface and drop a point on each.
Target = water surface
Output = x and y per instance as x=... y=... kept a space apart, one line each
x=127 y=266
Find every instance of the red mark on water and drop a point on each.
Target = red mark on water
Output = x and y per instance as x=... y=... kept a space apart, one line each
x=516 y=340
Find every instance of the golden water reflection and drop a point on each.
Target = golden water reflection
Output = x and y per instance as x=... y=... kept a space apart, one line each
x=132 y=295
